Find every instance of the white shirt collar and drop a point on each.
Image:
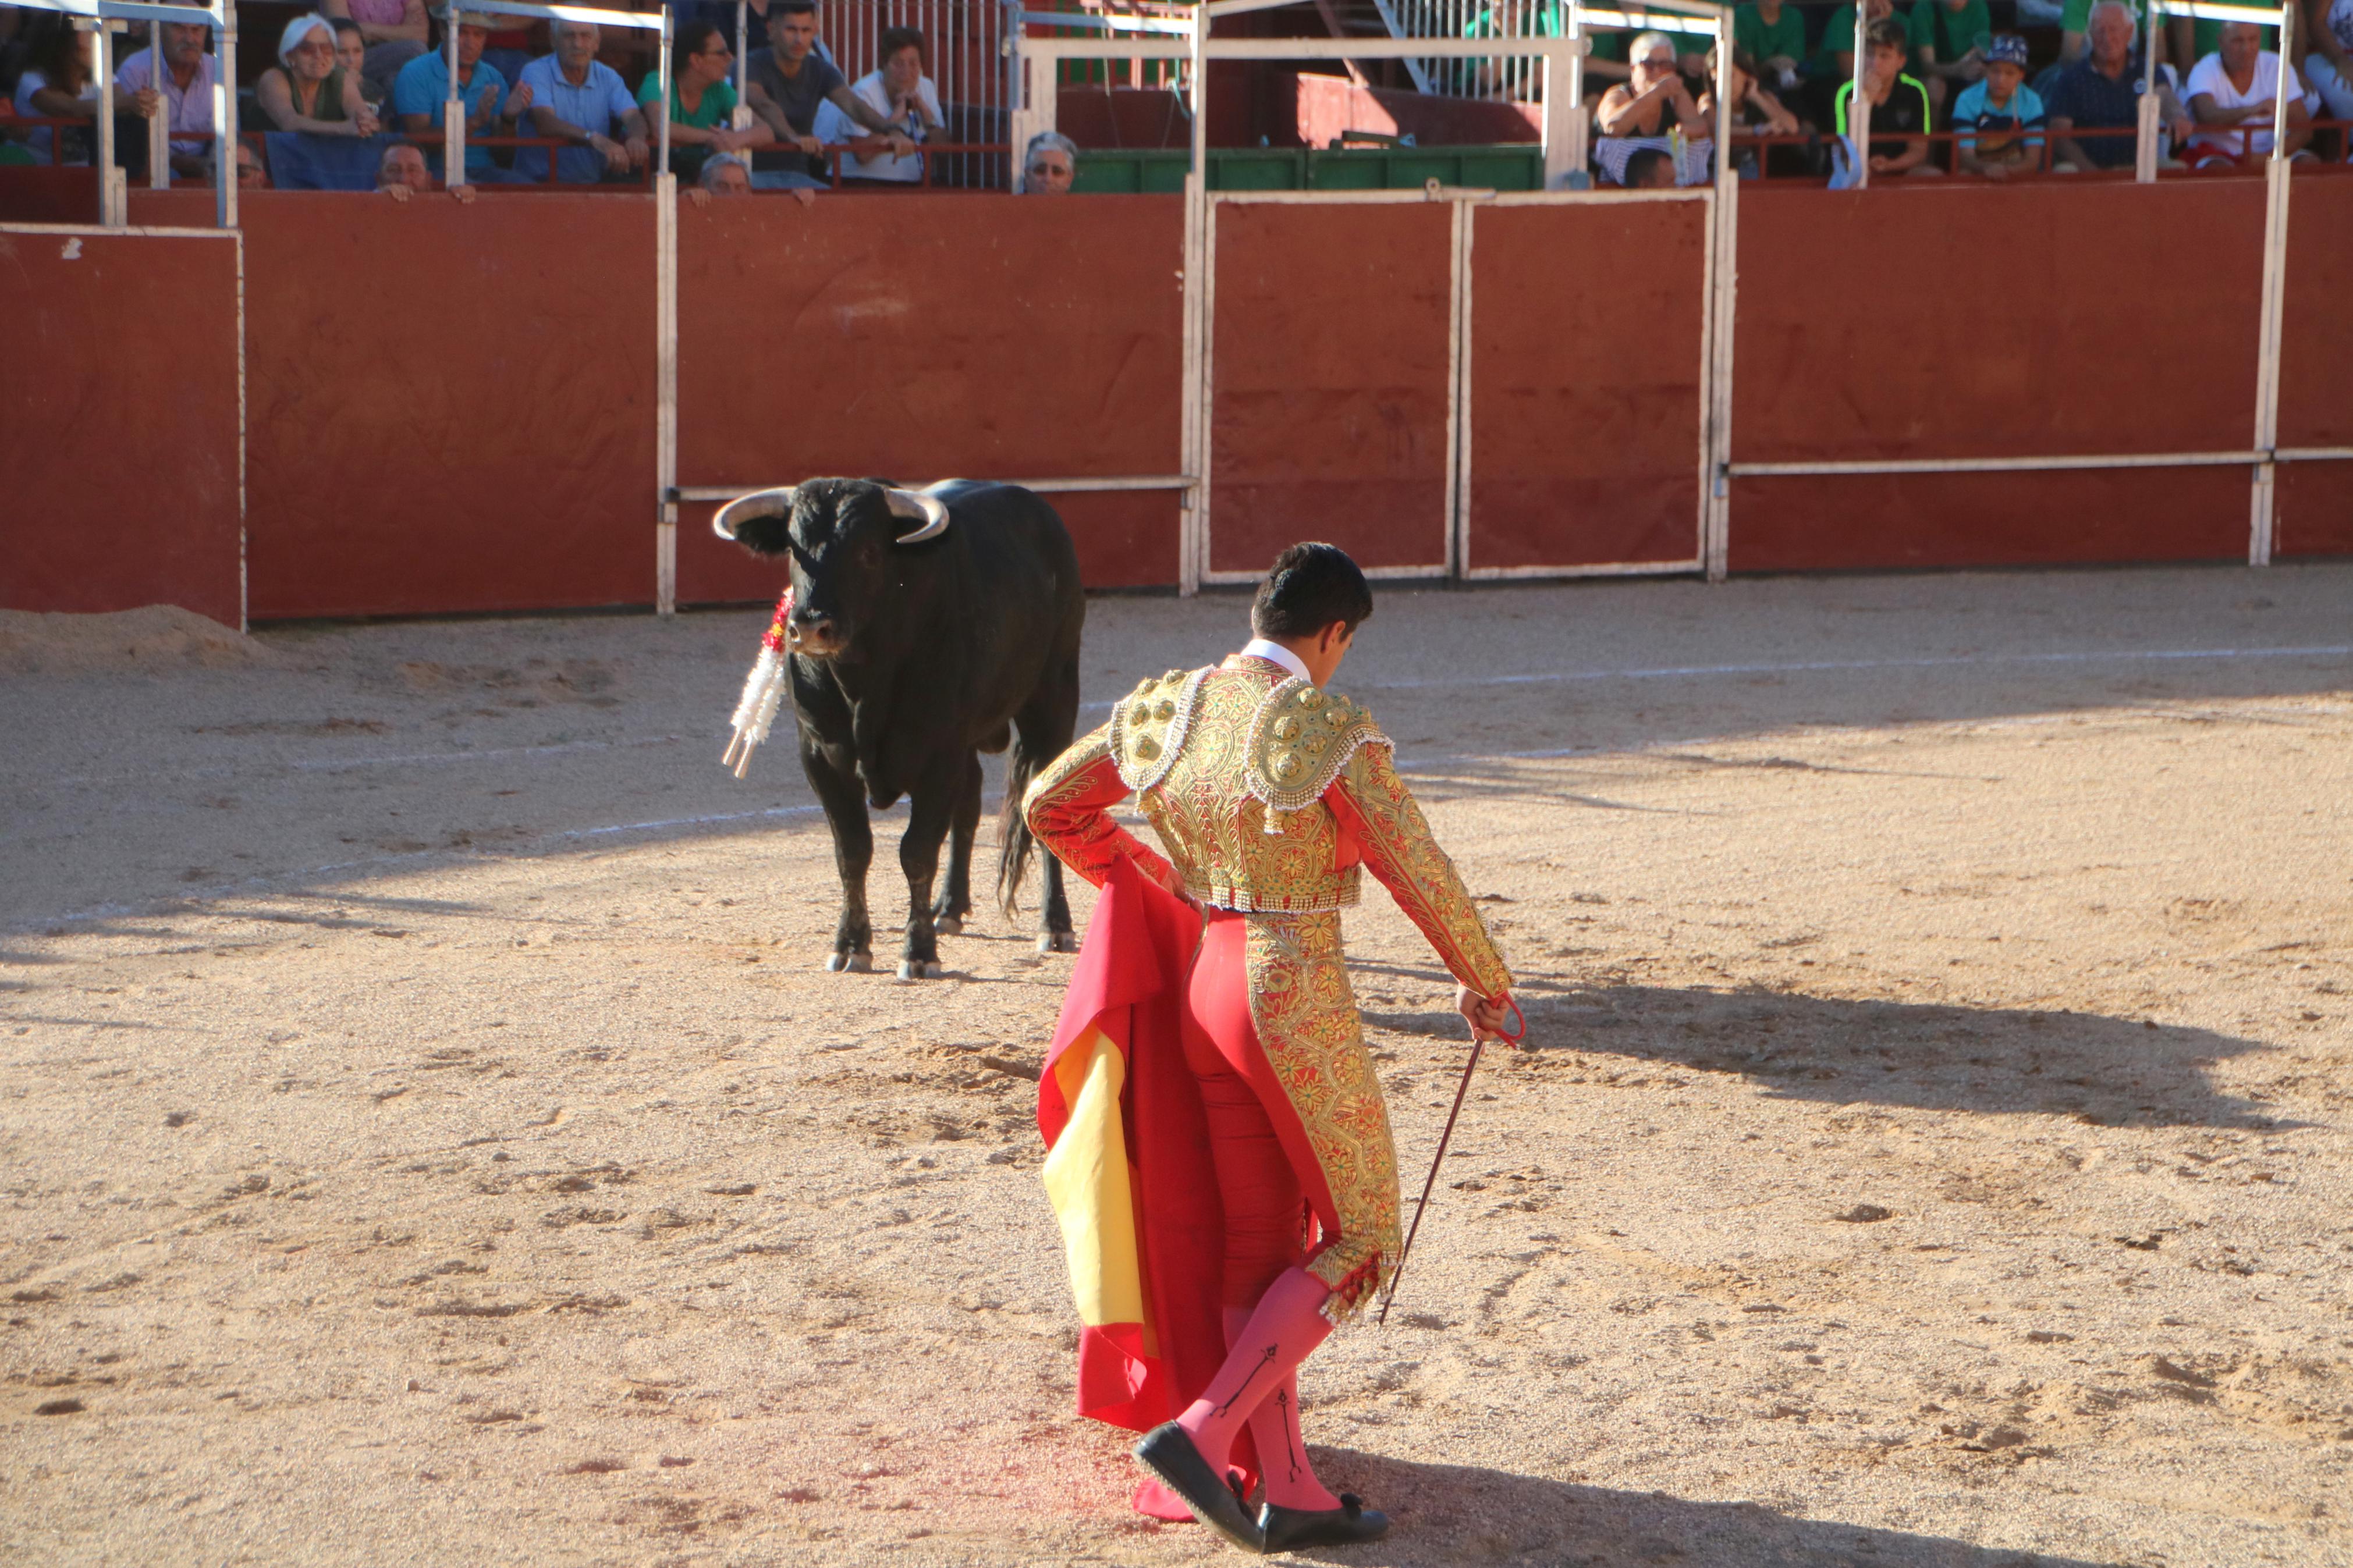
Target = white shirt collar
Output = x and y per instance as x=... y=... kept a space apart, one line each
x=1274 y=652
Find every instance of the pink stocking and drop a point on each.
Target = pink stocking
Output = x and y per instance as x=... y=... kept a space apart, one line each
x=1287 y=1323
x=1275 y=1427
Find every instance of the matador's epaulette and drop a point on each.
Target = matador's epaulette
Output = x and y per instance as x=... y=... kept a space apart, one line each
x=1148 y=725
x=1299 y=741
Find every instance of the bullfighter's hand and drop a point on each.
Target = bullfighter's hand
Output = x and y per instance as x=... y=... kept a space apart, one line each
x=1486 y=1018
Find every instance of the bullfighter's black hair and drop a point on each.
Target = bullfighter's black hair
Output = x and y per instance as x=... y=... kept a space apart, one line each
x=1309 y=587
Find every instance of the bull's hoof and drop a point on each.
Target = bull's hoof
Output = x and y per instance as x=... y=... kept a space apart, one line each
x=916 y=969
x=849 y=964
x=1058 y=941
x=949 y=925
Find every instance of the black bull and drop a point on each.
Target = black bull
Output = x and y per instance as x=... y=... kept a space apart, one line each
x=928 y=626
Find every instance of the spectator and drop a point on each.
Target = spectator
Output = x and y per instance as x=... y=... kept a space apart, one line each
x=1900 y=119
x=59 y=84
x=1647 y=110
x=722 y=175
x=2240 y=85
x=1773 y=34
x=2001 y=102
x=1949 y=39
x=2100 y=92
x=187 y=91
x=401 y=172
x=350 y=59
x=392 y=34
x=788 y=83
x=306 y=91
x=2074 y=22
x=422 y=89
x=575 y=97
x=902 y=96
x=1834 y=59
x=2329 y=66
x=1648 y=169
x=1753 y=109
x=1049 y=164
x=250 y=174
x=701 y=102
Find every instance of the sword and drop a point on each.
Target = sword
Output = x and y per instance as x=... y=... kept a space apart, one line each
x=1477 y=1044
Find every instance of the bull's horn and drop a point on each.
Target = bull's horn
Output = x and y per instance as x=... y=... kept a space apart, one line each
x=759 y=503
x=912 y=505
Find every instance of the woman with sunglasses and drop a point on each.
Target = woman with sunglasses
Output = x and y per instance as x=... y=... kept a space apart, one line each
x=701 y=102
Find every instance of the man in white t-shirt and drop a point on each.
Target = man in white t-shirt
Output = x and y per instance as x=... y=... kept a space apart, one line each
x=902 y=95
x=2238 y=86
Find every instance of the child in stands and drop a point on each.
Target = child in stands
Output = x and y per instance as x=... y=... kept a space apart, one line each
x=2002 y=102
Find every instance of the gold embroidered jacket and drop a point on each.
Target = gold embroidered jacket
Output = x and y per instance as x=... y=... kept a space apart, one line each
x=1271 y=796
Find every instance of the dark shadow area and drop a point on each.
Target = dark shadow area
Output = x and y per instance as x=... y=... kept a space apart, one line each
x=1447 y=1515
x=2102 y=1072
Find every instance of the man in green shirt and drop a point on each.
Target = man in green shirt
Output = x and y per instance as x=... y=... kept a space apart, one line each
x=1949 y=39
x=1774 y=36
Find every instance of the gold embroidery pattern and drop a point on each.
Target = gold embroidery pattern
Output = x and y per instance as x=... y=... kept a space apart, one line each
x=1305 y=1016
x=1148 y=727
x=1300 y=739
x=1397 y=845
x=1216 y=830
x=1068 y=806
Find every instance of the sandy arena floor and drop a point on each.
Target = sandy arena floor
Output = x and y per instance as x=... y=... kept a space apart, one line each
x=430 y=1138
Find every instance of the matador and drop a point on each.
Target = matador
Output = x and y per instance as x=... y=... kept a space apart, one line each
x=1210 y=1024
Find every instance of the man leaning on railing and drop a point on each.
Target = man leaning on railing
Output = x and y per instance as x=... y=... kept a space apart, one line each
x=185 y=90
x=788 y=83
x=903 y=96
x=575 y=97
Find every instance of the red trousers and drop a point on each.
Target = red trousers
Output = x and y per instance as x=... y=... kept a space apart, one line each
x=1265 y=1209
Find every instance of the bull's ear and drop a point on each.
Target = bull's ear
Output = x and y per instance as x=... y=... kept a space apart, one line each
x=760 y=522
x=914 y=506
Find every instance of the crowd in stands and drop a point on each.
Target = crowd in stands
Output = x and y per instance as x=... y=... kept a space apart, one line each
x=1973 y=88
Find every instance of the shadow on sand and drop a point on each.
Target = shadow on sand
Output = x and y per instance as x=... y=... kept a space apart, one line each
x=1449 y=1515
x=2102 y=1072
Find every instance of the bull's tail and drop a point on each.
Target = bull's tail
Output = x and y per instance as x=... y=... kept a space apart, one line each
x=1014 y=842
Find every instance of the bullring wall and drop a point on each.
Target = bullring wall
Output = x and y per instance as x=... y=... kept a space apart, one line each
x=453 y=407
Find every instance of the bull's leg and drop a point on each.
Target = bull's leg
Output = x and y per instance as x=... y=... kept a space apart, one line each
x=956 y=895
x=1058 y=936
x=930 y=806
x=853 y=851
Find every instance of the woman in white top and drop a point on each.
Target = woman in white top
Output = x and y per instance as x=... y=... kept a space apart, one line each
x=58 y=85
x=902 y=94
x=2237 y=86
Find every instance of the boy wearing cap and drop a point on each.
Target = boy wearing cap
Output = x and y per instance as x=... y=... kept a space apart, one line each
x=2001 y=102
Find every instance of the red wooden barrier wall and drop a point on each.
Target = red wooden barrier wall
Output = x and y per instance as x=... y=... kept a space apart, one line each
x=920 y=338
x=2314 y=509
x=1586 y=322
x=450 y=406
x=2050 y=318
x=120 y=408
x=1329 y=381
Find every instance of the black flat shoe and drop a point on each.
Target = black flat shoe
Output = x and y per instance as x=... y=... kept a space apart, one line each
x=1290 y=1529
x=1169 y=1453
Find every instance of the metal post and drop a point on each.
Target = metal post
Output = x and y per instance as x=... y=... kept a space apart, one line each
x=741 y=118
x=661 y=165
x=224 y=127
x=453 y=107
x=1194 y=542
x=159 y=130
x=1722 y=274
x=2263 y=501
x=1580 y=143
x=1858 y=109
x=113 y=189
x=2144 y=140
x=665 y=389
